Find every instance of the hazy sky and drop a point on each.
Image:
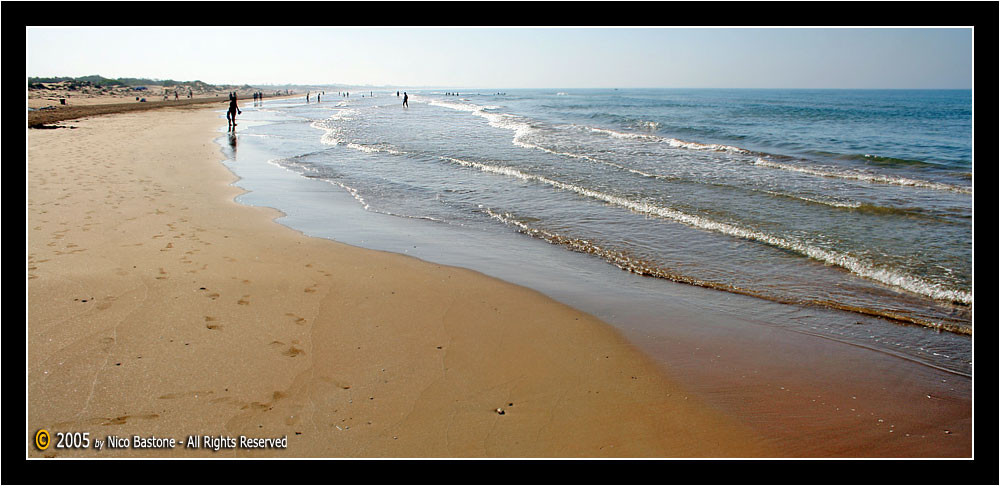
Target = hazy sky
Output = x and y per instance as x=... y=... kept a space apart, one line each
x=508 y=58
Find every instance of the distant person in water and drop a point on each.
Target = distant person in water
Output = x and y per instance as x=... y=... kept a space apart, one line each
x=233 y=110
x=405 y=98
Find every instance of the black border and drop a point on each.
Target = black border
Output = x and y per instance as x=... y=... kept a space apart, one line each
x=981 y=15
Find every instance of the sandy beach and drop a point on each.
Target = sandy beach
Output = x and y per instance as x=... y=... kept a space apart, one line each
x=49 y=106
x=159 y=307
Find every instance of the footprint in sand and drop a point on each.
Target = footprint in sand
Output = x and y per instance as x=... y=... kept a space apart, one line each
x=163 y=274
x=291 y=352
x=298 y=320
x=244 y=300
x=311 y=289
x=122 y=419
x=210 y=323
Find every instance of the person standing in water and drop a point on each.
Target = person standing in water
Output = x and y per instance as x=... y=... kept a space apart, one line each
x=233 y=110
x=405 y=98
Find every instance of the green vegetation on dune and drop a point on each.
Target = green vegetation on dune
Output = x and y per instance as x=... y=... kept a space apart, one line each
x=101 y=81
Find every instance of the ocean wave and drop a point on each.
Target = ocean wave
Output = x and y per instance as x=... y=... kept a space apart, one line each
x=310 y=172
x=823 y=202
x=673 y=142
x=332 y=133
x=639 y=266
x=862 y=176
x=646 y=125
x=875 y=159
x=523 y=128
x=891 y=277
x=374 y=149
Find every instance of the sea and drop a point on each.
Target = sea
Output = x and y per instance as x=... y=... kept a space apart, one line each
x=847 y=214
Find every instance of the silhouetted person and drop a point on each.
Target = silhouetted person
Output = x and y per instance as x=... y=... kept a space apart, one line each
x=405 y=98
x=233 y=110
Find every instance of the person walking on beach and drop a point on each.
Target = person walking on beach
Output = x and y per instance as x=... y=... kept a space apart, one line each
x=405 y=98
x=233 y=110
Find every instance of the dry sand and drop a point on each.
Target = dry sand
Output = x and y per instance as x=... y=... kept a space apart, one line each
x=47 y=108
x=60 y=95
x=157 y=306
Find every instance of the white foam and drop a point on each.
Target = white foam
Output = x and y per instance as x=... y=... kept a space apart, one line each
x=332 y=134
x=861 y=176
x=647 y=125
x=522 y=127
x=624 y=135
x=673 y=142
x=373 y=149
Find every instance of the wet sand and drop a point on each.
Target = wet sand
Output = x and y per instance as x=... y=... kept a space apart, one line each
x=158 y=306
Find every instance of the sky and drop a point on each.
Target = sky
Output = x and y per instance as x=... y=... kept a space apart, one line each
x=512 y=58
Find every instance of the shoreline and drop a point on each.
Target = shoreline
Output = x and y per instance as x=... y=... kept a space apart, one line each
x=107 y=105
x=149 y=286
